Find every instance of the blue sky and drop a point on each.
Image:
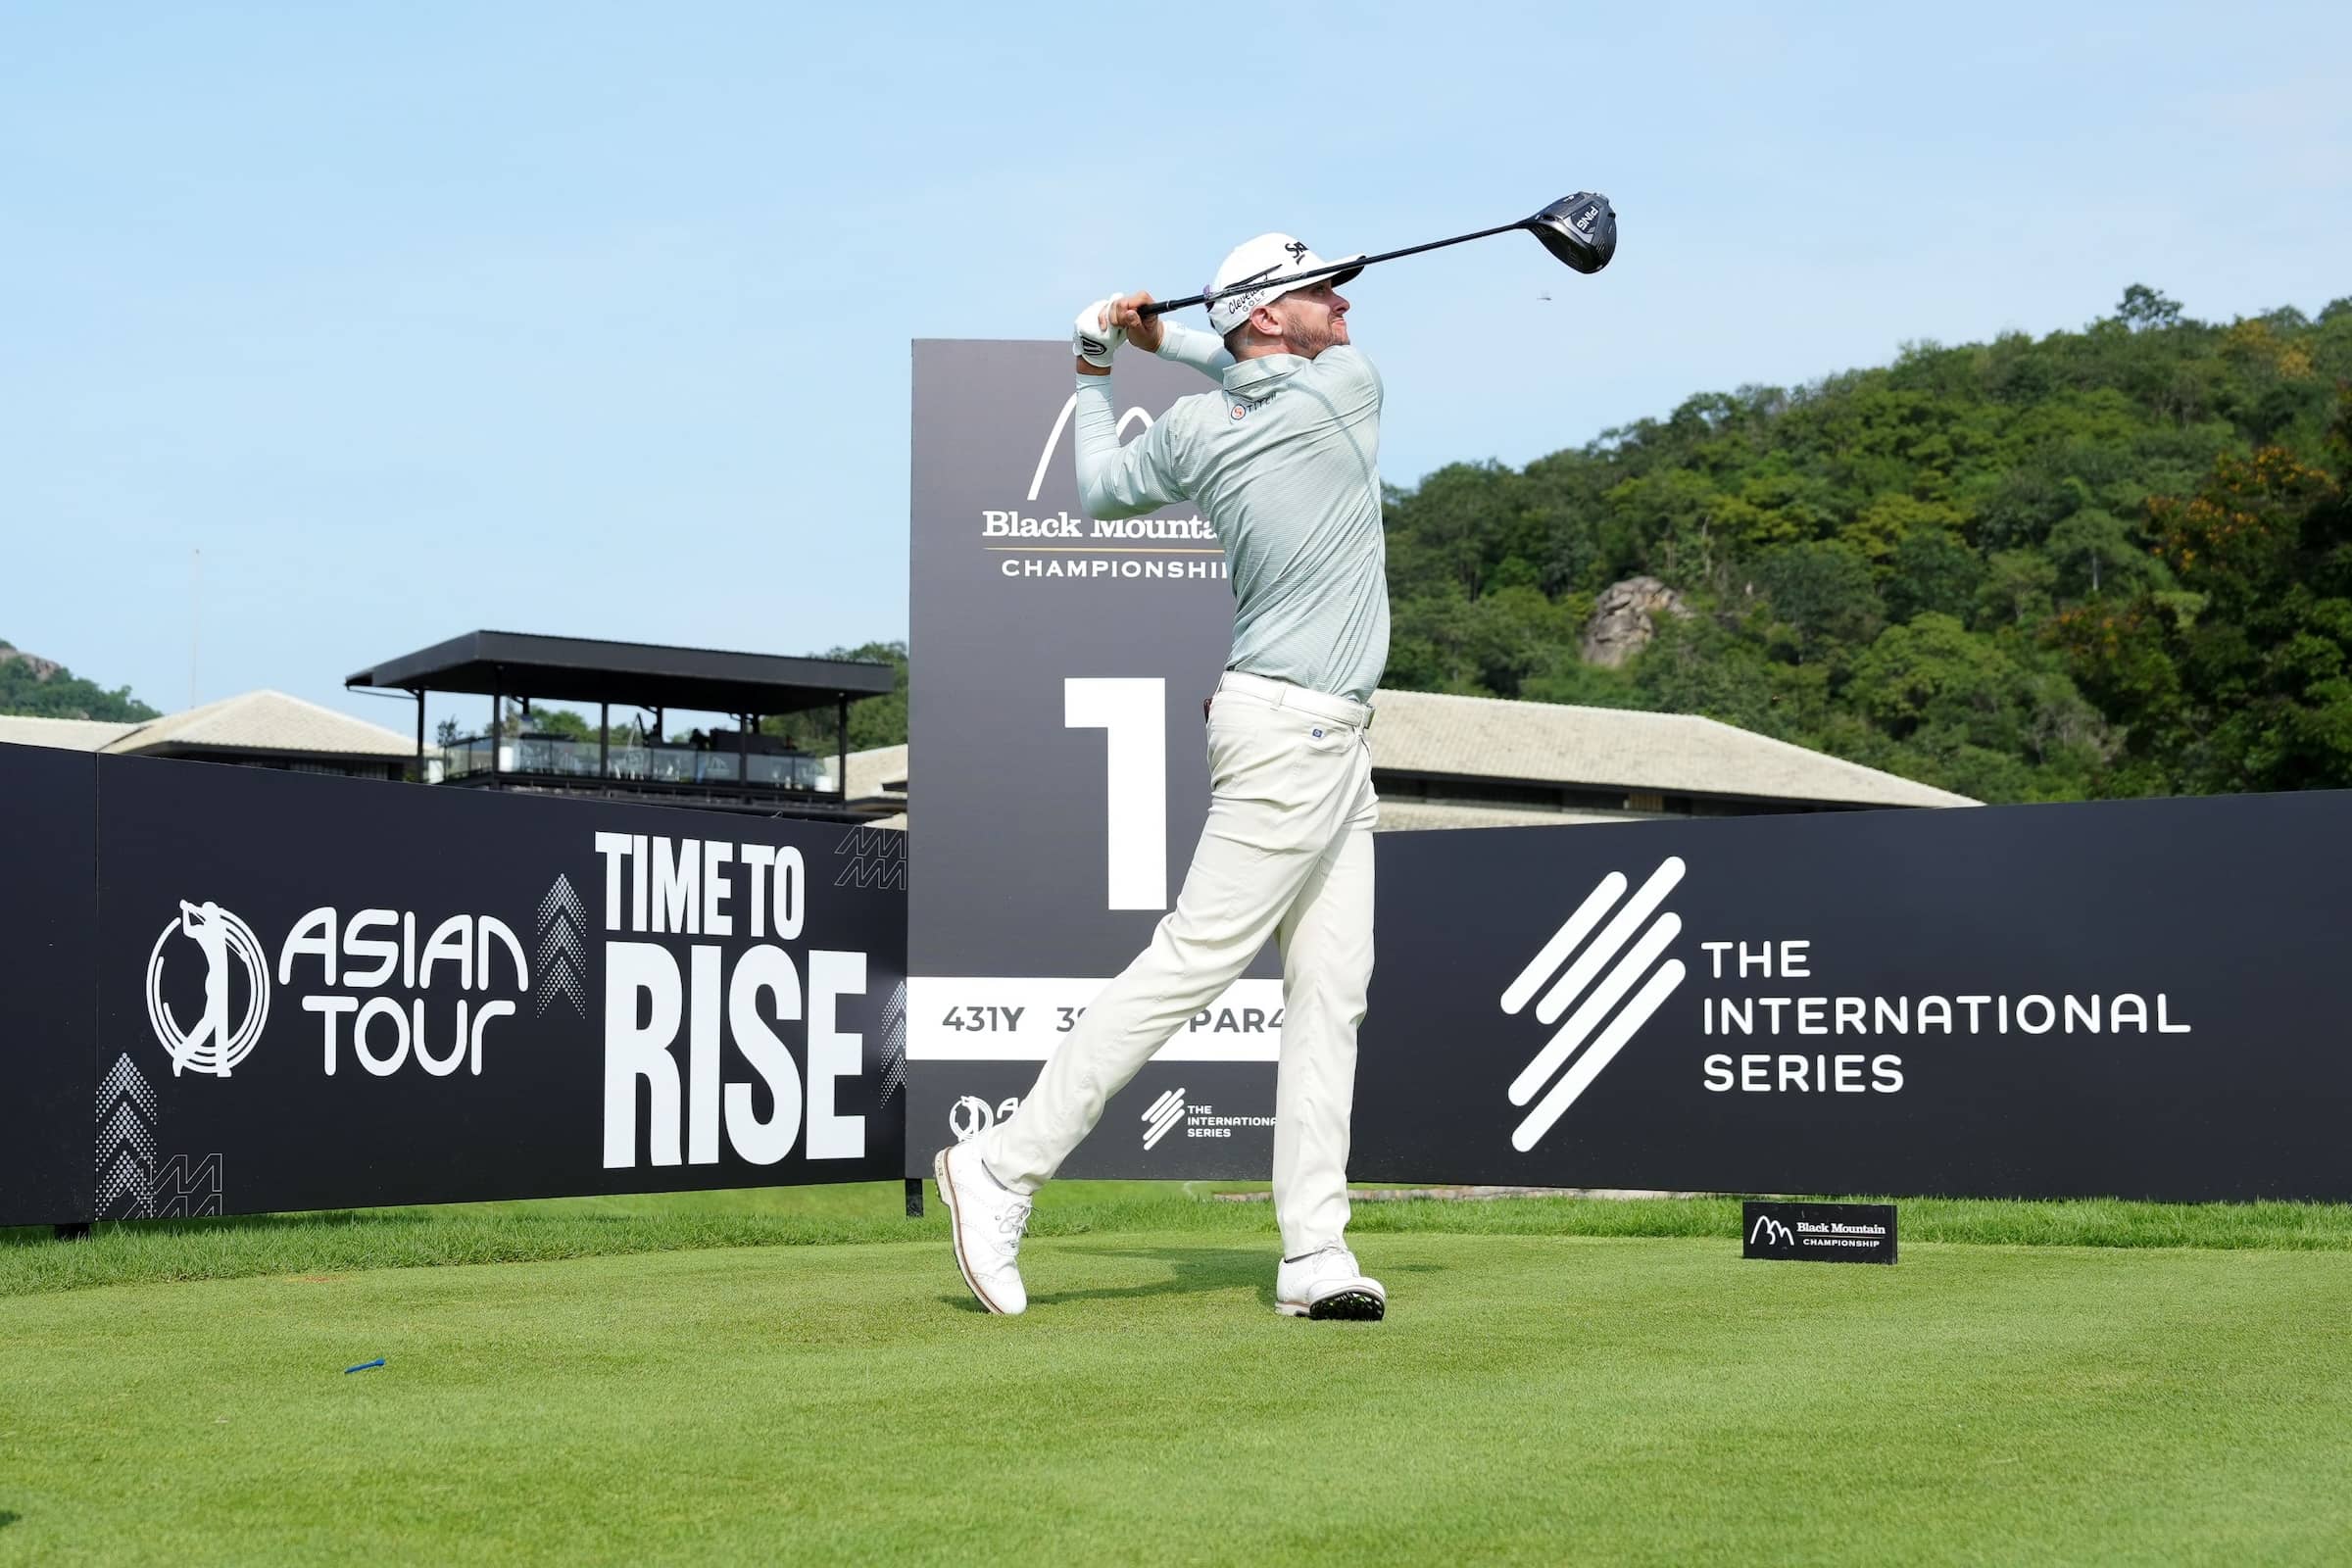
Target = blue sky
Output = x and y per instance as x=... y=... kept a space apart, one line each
x=594 y=319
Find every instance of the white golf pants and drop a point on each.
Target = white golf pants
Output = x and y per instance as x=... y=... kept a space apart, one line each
x=1287 y=853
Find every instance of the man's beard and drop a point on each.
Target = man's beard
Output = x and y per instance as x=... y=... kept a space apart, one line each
x=1307 y=342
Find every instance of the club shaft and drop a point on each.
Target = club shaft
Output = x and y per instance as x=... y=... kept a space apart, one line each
x=1162 y=306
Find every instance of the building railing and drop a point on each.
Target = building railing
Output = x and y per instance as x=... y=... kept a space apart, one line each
x=553 y=756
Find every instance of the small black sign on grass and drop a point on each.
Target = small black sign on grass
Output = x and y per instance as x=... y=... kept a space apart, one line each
x=1818 y=1233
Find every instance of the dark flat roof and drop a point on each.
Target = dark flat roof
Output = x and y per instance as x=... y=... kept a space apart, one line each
x=591 y=670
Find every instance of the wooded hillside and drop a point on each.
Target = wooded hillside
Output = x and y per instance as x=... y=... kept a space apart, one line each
x=2112 y=561
x=42 y=688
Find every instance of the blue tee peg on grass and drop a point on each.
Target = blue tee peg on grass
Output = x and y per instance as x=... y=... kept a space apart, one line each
x=363 y=1367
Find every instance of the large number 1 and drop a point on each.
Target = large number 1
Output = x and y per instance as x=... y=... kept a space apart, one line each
x=1132 y=714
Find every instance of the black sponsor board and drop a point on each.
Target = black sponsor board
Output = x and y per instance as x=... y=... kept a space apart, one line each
x=1817 y=1233
x=1187 y=1121
x=48 y=879
x=331 y=993
x=2139 y=999
x=1057 y=711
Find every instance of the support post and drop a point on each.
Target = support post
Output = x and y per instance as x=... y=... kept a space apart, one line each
x=604 y=738
x=495 y=695
x=914 y=1197
x=743 y=751
x=842 y=779
x=418 y=694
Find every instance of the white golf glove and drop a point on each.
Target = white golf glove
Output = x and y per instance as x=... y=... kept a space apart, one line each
x=1091 y=340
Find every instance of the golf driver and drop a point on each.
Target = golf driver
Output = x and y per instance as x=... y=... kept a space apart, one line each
x=1579 y=230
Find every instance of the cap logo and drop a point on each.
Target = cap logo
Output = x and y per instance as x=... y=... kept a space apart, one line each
x=1238 y=409
x=1297 y=250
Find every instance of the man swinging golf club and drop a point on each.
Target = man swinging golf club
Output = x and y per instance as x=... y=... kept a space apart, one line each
x=1282 y=461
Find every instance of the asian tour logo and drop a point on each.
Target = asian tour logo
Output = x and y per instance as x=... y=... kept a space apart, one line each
x=211 y=1045
x=1593 y=984
x=970 y=1115
x=369 y=977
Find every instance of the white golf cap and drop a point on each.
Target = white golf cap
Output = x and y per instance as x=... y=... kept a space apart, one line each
x=1273 y=258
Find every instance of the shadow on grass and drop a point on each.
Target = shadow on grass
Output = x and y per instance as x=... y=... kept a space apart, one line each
x=322 y=1219
x=1194 y=1271
x=7 y=1518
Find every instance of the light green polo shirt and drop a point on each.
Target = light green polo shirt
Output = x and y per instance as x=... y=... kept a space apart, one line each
x=1283 y=462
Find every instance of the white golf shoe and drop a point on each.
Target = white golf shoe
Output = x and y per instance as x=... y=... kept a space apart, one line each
x=1329 y=1285
x=985 y=1221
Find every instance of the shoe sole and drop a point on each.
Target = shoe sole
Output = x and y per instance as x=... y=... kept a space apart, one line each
x=1343 y=1307
x=947 y=1196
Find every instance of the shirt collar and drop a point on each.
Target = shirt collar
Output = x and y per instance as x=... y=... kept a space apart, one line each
x=1259 y=378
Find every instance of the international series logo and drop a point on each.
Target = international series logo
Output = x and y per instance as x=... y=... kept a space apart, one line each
x=1593 y=983
x=1605 y=973
x=1162 y=1115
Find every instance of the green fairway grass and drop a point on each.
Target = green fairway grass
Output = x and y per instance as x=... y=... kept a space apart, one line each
x=1536 y=1395
x=579 y=1227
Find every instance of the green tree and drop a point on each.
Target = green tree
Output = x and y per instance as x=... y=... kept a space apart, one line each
x=875 y=721
x=1821 y=596
x=1931 y=569
x=37 y=688
x=2143 y=308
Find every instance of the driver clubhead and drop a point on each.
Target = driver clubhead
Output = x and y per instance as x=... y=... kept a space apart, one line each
x=1579 y=230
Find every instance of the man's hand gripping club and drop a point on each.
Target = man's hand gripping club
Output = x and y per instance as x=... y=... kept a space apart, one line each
x=1106 y=324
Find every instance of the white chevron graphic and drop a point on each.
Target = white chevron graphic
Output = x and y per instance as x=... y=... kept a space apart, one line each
x=134 y=1180
x=122 y=1081
x=563 y=937
x=124 y=1129
x=560 y=955
x=130 y=1181
x=125 y=1155
x=561 y=897
x=893 y=1042
x=1594 y=985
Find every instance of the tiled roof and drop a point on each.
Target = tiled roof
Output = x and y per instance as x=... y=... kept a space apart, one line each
x=877 y=773
x=1607 y=748
x=67 y=734
x=266 y=721
x=1397 y=816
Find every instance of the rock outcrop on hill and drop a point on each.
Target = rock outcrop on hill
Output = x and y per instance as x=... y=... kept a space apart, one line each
x=1624 y=619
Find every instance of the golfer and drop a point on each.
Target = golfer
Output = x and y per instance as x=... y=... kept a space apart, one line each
x=1282 y=461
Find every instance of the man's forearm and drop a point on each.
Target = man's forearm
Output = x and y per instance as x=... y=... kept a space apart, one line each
x=1189 y=345
x=1093 y=434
